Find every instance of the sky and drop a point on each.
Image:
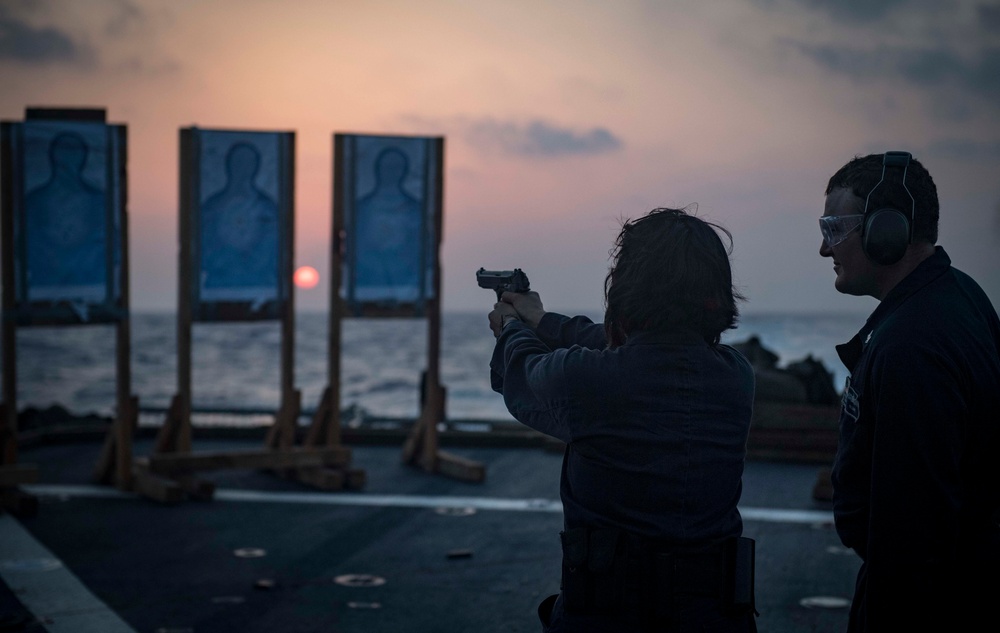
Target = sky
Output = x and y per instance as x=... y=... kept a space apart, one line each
x=560 y=119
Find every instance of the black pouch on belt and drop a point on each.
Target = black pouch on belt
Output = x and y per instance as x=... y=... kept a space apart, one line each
x=602 y=559
x=739 y=587
x=591 y=569
x=576 y=591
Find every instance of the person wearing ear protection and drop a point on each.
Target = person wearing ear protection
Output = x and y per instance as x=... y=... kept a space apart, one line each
x=916 y=478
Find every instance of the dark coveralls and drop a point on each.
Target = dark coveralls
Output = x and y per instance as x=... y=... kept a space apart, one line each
x=916 y=478
x=656 y=434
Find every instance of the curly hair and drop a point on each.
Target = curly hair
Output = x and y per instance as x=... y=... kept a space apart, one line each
x=670 y=270
x=862 y=173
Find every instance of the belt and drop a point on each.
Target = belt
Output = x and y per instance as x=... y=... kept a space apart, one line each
x=607 y=570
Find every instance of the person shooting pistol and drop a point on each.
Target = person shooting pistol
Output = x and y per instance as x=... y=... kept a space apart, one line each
x=654 y=411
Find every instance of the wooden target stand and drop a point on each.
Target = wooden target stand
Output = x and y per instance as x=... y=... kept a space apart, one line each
x=114 y=466
x=420 y=448
x=170 y=473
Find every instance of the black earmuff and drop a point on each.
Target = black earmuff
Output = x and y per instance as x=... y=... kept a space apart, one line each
x=887 y=231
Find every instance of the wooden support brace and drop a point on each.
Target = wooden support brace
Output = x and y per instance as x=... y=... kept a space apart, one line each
x=319 y=428
x=106 y=469
x=13 y=499
x=295 y=457
x=330 y=478
x=17 y=474
x=322 y=478
x=414 y=443
x=18 y=502
x=154 y=486
x=166 y=437
x=198 y=489
x=823 y=487
x=442 y=462
x=282 y=431
x=356 y=478
x=8 y=423
x=459 y=467
x=169 y=489
x=421 y=446
x=320 y=434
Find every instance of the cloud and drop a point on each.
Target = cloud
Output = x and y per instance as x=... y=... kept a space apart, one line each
x=27 y=44
x=858 y=11
x=855 y=11
x=931 y=67
x=538 y=138
x=125 y=16
x=943 y=54
x=40 y=32
x=989 y=17
x=535 y=138
x=956 y=48
x=966 y=149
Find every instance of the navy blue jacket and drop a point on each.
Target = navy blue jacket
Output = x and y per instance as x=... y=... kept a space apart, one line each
x=916 y=478
x=656 y=429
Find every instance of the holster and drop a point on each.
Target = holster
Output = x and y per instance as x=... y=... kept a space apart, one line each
x=592 y=569
x=741 y=568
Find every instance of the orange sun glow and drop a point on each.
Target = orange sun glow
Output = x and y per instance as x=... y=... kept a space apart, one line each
x=306 y=277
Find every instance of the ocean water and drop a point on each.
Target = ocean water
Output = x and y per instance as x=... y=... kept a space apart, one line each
x=236 y=366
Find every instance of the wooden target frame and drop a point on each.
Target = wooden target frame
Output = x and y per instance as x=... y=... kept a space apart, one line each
x=77 y=280
x=418 y=296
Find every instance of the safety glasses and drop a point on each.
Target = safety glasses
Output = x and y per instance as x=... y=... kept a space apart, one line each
x=836 y=228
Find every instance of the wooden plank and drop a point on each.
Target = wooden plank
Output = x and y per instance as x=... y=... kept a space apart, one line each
x=414 y=441
x=116 y=452
x=189 y=185
x=458 y=467
x=356 y=478
x=286 y=168
x=331 y=478
x=17 y=474
x=198 y=489
x=18 y=502
x=317 y=433
x=166 y=437
x=156 y=487
x=331 y=426
x=127 y=418
x=421 y=446
x=167 y=489
x=823 y=488
x=322 y=478
x=295 y=457
x=104 y=467
x=8 y=331
x=282 y=431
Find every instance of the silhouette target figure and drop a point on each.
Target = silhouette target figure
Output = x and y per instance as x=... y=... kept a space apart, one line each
x=65 y=221
x=239 y=227
x=388 y=243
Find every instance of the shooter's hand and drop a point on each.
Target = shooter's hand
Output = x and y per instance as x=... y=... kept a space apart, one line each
x=496 y=316
x=527 y=305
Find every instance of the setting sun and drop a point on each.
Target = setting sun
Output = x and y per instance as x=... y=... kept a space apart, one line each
x=306 y=277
